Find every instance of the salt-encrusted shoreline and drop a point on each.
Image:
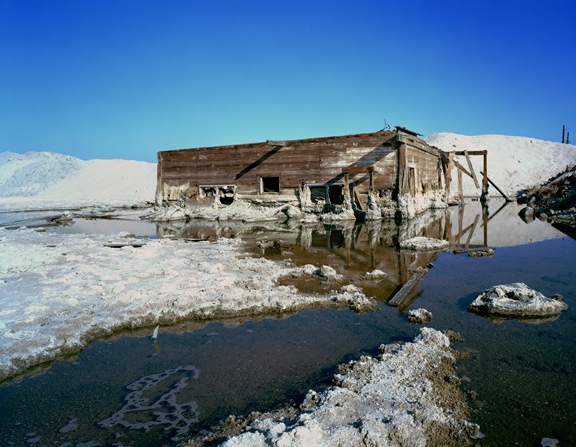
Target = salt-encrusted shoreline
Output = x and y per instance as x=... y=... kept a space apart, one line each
x=60 y=292
x=409 y=395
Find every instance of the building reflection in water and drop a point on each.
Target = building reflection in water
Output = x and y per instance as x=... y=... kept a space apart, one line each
x=354 y=249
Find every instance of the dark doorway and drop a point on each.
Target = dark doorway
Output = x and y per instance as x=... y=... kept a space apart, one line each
x=335 y=192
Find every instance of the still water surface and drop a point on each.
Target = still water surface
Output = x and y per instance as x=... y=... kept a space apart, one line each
x=523 y=373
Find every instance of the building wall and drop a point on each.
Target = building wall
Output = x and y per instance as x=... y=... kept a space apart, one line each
x=318 y=161
x=397 y=164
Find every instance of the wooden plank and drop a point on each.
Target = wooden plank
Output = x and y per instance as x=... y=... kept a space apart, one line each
x=484 y=152
x=407 y=288
x=358 y=201
x=355 y=169
x=125 y=244
x=471 y=169
x=497 y=189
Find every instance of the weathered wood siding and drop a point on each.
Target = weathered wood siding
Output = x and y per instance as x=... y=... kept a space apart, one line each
x=319 y=160
x=397 y=161
x=419 y=166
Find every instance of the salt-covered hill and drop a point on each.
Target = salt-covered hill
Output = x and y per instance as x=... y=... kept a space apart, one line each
x=42 y=180
x=24 y=175
x=514 y=163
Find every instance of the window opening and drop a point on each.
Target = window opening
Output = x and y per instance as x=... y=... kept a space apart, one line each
x=269 y=184
x=336 y=194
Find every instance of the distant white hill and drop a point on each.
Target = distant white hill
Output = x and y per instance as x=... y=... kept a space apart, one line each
x=25 y=175
x=42 y=180
x=514 y=163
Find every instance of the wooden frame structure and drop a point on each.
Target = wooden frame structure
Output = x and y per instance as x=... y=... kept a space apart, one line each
x=472 y=174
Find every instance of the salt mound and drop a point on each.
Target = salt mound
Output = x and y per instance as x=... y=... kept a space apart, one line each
x=44 y=180
x=514 y=163
x=25 y=175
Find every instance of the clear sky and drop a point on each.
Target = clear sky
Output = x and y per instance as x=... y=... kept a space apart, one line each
x=128 y=78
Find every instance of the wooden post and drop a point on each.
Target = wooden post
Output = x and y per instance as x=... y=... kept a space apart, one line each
x=498 y=189
x=401 y=167
x=460 y=195
x=485 y=174
x=563 y=131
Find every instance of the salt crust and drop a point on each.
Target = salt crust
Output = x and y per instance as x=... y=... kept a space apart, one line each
x=389 y=400
x=60 y=292
x=516 y=300
x=421 y=243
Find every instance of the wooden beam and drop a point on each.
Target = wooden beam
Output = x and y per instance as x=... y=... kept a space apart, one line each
x=356 y=169
x=462 y=168
x=484 y=152
x=407 y=288
x=471 y=169
x=401 y=168
x=498 y=189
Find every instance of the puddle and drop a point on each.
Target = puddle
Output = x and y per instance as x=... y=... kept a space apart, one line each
x=522 y=374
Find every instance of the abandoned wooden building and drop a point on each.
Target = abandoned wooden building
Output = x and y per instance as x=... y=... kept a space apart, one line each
x=384 y=174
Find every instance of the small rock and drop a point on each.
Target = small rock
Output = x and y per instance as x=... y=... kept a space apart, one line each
x=419 y=316
x=549 y=442
x=375 y=274
x=326 y=271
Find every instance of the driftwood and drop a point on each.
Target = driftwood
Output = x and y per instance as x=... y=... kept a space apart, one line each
x=125 y=244
x=407 y=288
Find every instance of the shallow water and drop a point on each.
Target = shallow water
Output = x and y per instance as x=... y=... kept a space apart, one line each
x=523 y=373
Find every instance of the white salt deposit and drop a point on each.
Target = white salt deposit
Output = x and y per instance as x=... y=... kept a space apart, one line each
x=45 y=180
x=388 y=400
x=514 y=163
x=59 y=292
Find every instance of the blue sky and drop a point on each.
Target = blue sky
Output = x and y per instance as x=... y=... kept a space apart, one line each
x=128 y=78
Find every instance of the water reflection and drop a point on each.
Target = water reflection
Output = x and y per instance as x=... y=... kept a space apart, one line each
x=354 y=248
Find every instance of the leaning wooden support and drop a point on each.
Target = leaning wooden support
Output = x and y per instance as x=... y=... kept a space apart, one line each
x=407 y=288
x=473 y=174
x=497 y=189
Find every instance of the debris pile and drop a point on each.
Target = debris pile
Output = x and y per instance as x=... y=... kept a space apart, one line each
x=554 y=201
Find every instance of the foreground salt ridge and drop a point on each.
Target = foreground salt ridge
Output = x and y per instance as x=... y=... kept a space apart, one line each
x=60 y=292
x=408 y=395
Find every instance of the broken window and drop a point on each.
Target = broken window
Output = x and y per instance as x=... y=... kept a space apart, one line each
x=269 y=184
x=336 y=194
x=317 y=193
